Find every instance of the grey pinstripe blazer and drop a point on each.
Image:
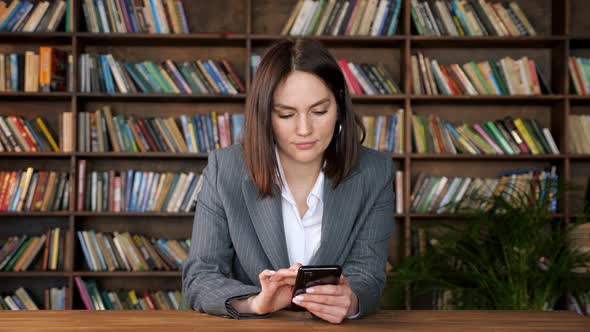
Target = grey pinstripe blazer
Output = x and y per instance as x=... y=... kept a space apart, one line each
x=236 y=235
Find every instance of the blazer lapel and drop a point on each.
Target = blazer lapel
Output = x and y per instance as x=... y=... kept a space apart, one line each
x=267 y=218
x=338 y=219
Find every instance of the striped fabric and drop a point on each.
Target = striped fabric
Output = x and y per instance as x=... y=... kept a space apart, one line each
x=236 y=235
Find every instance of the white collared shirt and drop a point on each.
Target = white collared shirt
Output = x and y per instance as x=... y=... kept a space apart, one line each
x=302 y=233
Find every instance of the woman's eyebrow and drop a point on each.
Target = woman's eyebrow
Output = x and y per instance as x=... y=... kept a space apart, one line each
x=319 y=102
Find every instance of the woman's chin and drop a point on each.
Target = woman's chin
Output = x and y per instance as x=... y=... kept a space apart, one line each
x=304 y=157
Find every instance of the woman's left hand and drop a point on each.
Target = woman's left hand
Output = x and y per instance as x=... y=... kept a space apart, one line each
x=332 y=303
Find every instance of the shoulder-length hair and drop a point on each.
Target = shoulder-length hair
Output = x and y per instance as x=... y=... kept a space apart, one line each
x=308 y=55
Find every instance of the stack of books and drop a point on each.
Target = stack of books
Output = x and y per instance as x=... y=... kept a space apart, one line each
x=18 y=134
x=49 y=71
x=344 y=18
x=470 y=18
x=30 y=191
x=579 y=134
x=95 y=299
x=451 y=194
x=21 y=300
x=136 y=191
x=35 y=16
x=100 y=131
x=431 y=134
x=502 y=77
x=368 y=79
x=385 y=132
x=148 y=16
x=103 y=73
x=131 y=252
x=579 y=69
x=19 y=253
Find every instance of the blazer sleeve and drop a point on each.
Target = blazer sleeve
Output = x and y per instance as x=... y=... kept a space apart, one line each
x=206 y=277
x=365 y=266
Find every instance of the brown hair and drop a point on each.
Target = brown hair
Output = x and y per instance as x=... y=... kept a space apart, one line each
x=308 y=55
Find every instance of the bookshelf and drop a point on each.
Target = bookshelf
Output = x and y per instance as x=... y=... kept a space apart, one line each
x=236 y=29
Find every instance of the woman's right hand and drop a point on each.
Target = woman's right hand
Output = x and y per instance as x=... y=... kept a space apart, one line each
x=277 y=289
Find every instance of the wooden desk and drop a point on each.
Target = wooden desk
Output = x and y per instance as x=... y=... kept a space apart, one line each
x=146 y=321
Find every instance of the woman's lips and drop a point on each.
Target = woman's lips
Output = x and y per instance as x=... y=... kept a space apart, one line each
x=305 y=146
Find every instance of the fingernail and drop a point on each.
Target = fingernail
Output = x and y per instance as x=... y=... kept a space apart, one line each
x=298 y=298
x=310 y=290
x=271 y=272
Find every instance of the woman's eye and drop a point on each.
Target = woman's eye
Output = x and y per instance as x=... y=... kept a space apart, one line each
x=285 y=116
x=321 y=112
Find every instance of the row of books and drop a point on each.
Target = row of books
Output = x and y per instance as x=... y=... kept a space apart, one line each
x=579 y=129
x=20 y=300
x=18 y=134
x=54 y=299
x=369 y=79
x=19 y=253
x=50 y=70
x=131 y=252
x=35 y=16
x=452 y=194
x=579 y=69
x=385 y=132
x=431 y=134
x=103 y=73
x=100 y=131
x=344 y=18
x=470 y=18
x=147 y=16
x=136 y=191
x=96 y=299
x=33 y=190
x=502 y=77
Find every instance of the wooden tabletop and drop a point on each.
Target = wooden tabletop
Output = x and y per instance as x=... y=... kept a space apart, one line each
x=146 y=321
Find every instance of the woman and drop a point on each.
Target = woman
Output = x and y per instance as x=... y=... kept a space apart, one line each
x=300 y=190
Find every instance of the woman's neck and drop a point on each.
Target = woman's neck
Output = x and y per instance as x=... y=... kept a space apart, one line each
x=300 y=174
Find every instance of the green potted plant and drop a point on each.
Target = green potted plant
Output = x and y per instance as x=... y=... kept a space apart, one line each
x=509 y=253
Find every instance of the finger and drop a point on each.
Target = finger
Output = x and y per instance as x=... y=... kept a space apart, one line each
x=284 y=274
x=339 y=301
x=288 y=280
x=295 y=267
x=329 y=318
x=327 y=290
x=318 y=308
x=265 y=275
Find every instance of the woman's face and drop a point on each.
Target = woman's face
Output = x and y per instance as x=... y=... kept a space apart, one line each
x=303 y=118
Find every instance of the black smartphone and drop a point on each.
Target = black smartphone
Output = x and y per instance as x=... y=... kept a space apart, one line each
x=313 y=275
